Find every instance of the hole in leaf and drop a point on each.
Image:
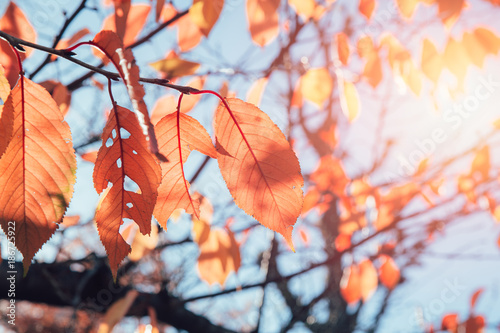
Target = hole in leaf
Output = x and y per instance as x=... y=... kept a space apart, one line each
x=113 y=133
x=130 y=205
x=124 y=134
x=130 y=185
x=109 y=142
x=119 y=162
x=133 y=151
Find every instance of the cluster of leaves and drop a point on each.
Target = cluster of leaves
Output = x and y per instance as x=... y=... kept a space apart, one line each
x=38 y=162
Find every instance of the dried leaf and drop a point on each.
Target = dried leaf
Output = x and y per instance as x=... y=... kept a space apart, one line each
x=259 y=166
x=124 y=157
x=37 y=170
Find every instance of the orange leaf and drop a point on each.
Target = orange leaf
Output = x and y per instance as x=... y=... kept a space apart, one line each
x=116 y=312
x=450 y=322
x=343 y=48
x=70 y=220
x=366 y=7
x=188 y=33
x=474 y=298
x=67 y=42
x=368 y=279
x=388 y=272
x=59 y=93
x=173 y=66
x=90 y=156
x=6 y=118
x=205 y=14
x=342 y=242
x=350 y=284
x=178 y=134
x=129 y=72
x=316 y=85
x=255 y=92
x=330 y=176
x=456 y=59
x=263 y=20
x=480 y=167
x=135 y=20
x=37 y=170
x=124 y=155
x=449 y=11
x=14 y=23
x=164 y=105
x=373 y=66
x=259 y=166
x=432 y=62
x=143 y=244
x=219 y=256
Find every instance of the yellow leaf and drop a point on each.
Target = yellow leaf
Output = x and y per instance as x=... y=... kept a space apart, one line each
x=117 y=311
x=173 y=66
x=349 y=99
x=205 y=13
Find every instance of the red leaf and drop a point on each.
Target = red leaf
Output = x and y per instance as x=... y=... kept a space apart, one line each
x=120 y=157
x=389 y=272
x=350 y=284
x=37 y=170
x=14 y=23
x=178 y=135
x=129 y=73
x=263 y=21
x=259 y=166
x=450 y=322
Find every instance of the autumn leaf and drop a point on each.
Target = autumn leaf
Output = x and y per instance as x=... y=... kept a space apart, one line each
x=474 y=298
x=366 y=7
x=159 y=9
x=373 y=65
x=67 y=42
x=263 y=21
x=432 y=61
x=260 y=168
x=389 y=273
x=116 y=312
x=14 y=23
x=350 y=284
x=205 y=14
x=450 y=10
x=219 y=251
x=128 y=29
x=188 y=33
x=304 y=8
x=256 y=91
x=343 y=49
x=480 y=167
x=124 y=158
x=60 y=94
x=178 y=134
x=450 y=322
x=407 y=7
x=316 y=85
x=173 y=66
x=368 y=279
x=342 y=242
x=123 y=60
x=37 y=170
x=349 y=98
